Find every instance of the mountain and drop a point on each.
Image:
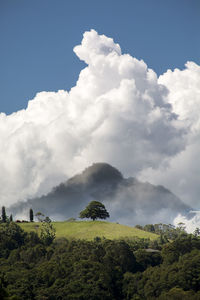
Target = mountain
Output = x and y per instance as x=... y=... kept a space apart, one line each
x=128 y=200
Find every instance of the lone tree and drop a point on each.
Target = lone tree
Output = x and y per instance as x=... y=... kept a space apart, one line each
x=31 y=215
x=94 y=210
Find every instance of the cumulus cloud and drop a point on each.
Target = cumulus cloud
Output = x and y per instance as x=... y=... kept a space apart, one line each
x=190 y=223
x=118 y=112
x=182 y=173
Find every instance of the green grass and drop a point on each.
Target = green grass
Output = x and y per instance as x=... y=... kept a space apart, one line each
x=88 y=230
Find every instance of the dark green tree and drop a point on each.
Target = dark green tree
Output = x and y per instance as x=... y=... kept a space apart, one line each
x=11 y=237
x=31 y=215
x=11 y=218
x=94 y=210
x=149 y=227
x=3 y=215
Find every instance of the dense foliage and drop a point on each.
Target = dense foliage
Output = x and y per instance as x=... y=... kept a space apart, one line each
x=32 y=268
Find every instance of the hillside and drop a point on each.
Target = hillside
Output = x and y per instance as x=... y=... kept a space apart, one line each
x=88 y=230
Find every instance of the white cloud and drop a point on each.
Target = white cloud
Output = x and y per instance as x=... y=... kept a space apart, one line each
x=191 y=223
x=184 y=92
x=118 y=112
x=182 y=174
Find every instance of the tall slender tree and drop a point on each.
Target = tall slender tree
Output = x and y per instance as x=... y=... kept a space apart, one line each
x=3 y=215
x=31 y=216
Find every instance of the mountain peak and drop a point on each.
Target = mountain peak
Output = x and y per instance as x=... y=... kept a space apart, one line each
x=98 y=173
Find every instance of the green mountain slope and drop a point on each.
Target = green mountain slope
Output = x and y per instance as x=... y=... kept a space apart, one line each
x=88 y=230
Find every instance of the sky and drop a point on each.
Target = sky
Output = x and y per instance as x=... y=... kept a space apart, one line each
x=37 y=38
x=85 y=82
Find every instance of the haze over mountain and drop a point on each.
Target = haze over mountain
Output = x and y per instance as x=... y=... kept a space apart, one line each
x=128 y=200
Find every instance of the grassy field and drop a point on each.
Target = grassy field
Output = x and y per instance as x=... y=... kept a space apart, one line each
x=88 y=230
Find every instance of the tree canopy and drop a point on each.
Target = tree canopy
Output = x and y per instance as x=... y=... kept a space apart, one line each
x=94 y=210
x=36 y=267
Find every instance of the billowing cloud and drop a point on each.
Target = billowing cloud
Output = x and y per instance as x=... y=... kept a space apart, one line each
x=118 y=112
x=182 y=174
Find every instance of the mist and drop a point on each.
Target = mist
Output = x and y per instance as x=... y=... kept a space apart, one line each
x=128 y=200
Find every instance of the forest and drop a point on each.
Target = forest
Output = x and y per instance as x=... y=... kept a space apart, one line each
x=33 y=266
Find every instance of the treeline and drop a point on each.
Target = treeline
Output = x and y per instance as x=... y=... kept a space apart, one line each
x=129 y=269
x=167 y=231
x=40 y=217
x=5 y=219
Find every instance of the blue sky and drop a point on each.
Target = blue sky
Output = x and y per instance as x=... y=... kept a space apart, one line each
x=37 y=39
